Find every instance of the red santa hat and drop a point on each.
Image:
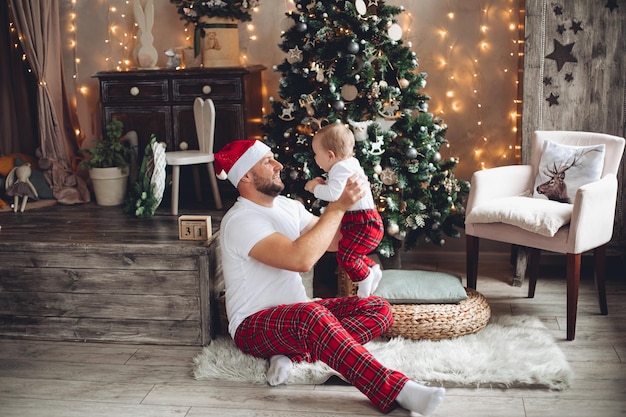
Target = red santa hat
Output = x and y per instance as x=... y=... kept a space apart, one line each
x=235 y=159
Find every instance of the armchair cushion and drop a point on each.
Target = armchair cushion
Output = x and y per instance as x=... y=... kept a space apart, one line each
x=563 y=169
x=544 y=217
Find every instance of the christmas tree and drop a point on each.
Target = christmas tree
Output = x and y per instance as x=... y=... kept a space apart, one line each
x=346 y=61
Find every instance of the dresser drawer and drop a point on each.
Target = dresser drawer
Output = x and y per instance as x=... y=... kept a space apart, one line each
x=134 y=91
x=215 y=88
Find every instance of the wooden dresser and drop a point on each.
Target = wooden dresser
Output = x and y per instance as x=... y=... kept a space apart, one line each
x=161 y=102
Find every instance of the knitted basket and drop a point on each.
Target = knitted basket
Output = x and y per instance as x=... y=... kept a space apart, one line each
x=431 y=321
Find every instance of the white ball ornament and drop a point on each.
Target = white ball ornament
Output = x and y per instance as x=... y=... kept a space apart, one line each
x=378 y=169
x=437 y=156
x=183 y=146
x=393 y=229
x=403 y=82
x=383 y=84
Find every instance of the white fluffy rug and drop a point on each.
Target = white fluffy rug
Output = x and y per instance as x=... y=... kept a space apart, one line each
x=512 y=351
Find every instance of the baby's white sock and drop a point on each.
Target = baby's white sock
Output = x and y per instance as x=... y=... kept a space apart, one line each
x=420 y=398
x=378 y=274
x=278 y=372
x=370 y=283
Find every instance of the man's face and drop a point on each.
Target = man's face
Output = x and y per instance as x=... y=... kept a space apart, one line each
x=266 y=176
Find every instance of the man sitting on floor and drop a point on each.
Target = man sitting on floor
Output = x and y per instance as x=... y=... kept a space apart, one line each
x=266 y=239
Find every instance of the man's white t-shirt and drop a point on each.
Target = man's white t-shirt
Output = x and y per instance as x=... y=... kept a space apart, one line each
x=252 y=286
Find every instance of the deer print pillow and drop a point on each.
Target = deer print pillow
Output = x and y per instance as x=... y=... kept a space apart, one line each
x=563 y=169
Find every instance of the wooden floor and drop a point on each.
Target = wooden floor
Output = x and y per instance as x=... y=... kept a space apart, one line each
x=39 y=378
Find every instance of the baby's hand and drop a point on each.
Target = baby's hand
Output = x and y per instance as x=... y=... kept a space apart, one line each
x=310 y=185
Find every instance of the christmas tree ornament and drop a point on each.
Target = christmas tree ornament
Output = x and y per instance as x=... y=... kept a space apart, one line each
x=376 y=147
x=360 y=129
x=295 y=55
x=287 y=111
x=403 y=83
x=353 y=47
x=349 y=92
x=411 y=153
x=378 y=169
x=388 y=176
x=395 y=32
x=301 y=27
x=307 y=102
x=339 y=105
x=437 y=157
x=360 y=6
x=393 y=229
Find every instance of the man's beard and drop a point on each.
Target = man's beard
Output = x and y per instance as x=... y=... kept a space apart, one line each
x=268 y=186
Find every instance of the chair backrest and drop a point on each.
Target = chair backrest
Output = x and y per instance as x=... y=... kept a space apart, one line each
x=204 y=115
x=612 y=155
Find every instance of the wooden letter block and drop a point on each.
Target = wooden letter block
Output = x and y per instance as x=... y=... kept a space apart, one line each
x=194 y=227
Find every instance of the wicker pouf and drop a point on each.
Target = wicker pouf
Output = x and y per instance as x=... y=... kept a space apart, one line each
x=440 y=321
x=430 y=321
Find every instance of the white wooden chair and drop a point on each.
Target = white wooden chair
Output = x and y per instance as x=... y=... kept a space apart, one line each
x=204 y=117
x=498 y=210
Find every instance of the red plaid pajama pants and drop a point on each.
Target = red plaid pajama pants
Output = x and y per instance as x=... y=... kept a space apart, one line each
x=361 y=232
x=331 y=330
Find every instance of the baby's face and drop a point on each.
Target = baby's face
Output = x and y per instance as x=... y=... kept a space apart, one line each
x=324 y=158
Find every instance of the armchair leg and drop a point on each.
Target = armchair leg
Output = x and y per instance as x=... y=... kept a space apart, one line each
x=573 y=281
x=533 y=270
x=599 y=257
x=471 y=254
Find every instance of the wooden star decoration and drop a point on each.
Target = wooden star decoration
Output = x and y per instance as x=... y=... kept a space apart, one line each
x=295 y=53
x=569 y=77
x=547 y=80
x=576 y=27
x=558 y=10
x=553 y=100
x=611 y=5
x=561 y=29
x=562 y=54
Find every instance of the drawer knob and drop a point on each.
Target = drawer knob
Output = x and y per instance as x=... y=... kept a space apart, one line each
x=134 y=91
x=206 y=89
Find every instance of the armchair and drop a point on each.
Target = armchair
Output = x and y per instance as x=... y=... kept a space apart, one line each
x=501 y=207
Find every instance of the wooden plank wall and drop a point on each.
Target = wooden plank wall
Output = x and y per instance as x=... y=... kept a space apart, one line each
x=575 y=75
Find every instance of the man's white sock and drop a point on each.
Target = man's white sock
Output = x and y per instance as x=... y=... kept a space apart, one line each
x=278 y=372
x=420 y=398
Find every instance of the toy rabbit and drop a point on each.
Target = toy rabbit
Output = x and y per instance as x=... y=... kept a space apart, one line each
x=19 y=185
x=147 y=54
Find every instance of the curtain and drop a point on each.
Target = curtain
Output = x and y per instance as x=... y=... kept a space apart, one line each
x=18 y=99
x=38 y=24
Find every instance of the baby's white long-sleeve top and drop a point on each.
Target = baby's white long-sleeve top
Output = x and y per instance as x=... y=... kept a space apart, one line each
x=336 y=182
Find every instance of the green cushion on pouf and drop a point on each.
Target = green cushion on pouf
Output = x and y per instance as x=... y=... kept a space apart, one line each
x=420 y=287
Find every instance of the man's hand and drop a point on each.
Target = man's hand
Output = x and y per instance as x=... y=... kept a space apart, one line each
x=355 y=189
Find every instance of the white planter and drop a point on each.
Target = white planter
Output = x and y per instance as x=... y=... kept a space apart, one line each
x=109 y=185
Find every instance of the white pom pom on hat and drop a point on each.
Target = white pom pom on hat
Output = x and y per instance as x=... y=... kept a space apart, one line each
x=235 y=159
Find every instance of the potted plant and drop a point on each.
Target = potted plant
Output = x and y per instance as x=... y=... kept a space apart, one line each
x=216 y=34
x=108 y=165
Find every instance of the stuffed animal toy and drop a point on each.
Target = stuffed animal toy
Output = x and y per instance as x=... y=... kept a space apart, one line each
x=18 y=185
